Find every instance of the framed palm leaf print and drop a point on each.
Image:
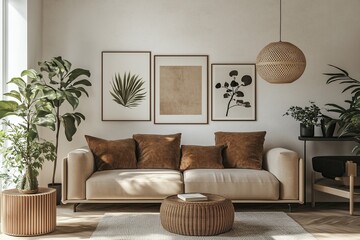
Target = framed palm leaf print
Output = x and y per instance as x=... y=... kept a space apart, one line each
x=126 y=85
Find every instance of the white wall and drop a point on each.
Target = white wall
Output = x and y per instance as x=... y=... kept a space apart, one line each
x=231 y=31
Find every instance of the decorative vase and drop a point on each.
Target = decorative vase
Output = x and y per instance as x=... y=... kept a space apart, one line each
x=28 y=183
x=326 y=128
x=306 y=131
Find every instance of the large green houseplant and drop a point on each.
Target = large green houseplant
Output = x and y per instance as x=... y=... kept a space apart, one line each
x=63 y=85
x=349 y=117
x=22 y=150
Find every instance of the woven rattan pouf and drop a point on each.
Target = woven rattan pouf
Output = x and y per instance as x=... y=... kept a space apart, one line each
x=201 y=218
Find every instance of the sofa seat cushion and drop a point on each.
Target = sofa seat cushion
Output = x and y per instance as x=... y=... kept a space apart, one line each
x=134 y=184
x=236 y=184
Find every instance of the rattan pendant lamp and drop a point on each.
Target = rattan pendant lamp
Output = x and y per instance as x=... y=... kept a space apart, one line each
x=280 y=62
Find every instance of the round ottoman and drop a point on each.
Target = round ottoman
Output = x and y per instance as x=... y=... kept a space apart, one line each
x=198 y=218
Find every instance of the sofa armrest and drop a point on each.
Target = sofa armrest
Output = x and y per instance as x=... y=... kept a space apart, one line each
x=287 y=166
x=77 y=168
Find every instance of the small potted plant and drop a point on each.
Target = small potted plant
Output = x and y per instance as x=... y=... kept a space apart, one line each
x=308 y=117
x=22 y=150
x=328 y=125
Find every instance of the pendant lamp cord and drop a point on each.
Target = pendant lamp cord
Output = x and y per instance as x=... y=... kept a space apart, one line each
x=280 y=20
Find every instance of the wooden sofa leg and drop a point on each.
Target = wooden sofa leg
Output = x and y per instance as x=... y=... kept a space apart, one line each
x=75 y=205
x=289 y=205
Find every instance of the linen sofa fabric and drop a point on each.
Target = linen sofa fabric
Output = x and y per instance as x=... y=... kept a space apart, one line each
x=244 y=184
x=76 y=172
x=193 y=156
x=134 y=184
x=244 y=149
x=284 y=164
x=112 y=154
x=158 y=151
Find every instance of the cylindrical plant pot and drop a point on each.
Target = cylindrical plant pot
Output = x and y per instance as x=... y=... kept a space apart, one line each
x=57 y=187
x=327 y=128
x=306 y=131
x=28 y=183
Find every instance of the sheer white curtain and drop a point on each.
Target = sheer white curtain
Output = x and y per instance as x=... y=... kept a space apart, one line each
x=2 y=67
x=3 y=57
x=13 y=45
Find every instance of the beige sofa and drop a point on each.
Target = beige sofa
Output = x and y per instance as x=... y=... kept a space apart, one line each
x=280 y=180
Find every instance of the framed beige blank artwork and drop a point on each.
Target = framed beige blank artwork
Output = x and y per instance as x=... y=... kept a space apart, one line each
x=181 y=89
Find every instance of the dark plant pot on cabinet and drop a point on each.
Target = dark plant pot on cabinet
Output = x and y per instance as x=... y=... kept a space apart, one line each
x=327 y=127
x=306 y=131
x=57 y=187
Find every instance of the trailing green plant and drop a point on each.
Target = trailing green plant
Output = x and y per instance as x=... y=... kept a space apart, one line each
x=22 y=149
x=309 y=115
x=349 y=118
x=128 y=91
x=63 y=85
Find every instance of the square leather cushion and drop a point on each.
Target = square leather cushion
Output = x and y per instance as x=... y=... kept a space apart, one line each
x=244 y=149
x=201 y=157
x=112 y=154
x=158 y=151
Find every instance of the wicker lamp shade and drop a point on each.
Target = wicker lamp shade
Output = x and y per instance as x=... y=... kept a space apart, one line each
x=280 y=62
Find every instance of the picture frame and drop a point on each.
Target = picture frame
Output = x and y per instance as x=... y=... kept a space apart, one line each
x=233 y=91
x=126 y=86
x=181 y=89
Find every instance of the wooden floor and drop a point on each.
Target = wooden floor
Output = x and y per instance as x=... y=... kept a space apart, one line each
x=326 y=221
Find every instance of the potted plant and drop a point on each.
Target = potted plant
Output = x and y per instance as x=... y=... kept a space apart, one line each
x=22 y=149
x=328 y=125
x=63 y=85
x=307 y=116
x=349 y=118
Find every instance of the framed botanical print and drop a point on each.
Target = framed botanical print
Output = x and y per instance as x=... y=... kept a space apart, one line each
x=126 y=85
x=233 y=93
x=181 y=89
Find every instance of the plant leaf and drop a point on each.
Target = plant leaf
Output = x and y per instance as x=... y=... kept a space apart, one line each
x=8 y=108
x=69 y=125
x=128 y=91
x=83 y=82
x=78 y=72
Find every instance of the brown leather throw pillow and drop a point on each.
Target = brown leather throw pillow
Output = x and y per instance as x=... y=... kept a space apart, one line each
x=244 y=149
x=201 y=157
x=158 y=151
x=112 y=154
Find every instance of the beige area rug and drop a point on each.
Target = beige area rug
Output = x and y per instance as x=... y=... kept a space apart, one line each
x=247 y=226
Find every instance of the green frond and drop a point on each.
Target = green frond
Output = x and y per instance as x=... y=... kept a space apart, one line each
x=128 y=91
